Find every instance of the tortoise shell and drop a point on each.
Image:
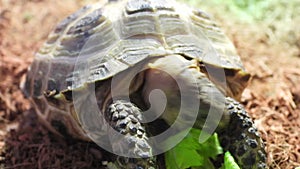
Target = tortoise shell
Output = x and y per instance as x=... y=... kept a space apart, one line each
x=96 y=43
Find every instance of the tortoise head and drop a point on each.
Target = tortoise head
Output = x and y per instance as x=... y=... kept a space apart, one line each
x=233 y=83
x=236 y=82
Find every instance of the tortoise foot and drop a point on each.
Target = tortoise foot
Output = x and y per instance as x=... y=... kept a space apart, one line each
x=242 y=139
x=125 y=118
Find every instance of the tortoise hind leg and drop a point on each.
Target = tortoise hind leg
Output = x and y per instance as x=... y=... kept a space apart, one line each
x=125 y=117
x=241 y=138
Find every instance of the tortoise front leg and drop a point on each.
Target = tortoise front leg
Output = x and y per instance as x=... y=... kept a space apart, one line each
x=241 y=138
x=216 y=112
x=125 y=117
x=236 y=130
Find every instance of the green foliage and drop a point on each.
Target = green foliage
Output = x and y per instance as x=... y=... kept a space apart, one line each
x=249 y=10
x=190 y=153
x=229 y=162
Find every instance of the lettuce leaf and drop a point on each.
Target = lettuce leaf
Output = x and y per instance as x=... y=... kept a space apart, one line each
x=190 y=153
x=229 y=162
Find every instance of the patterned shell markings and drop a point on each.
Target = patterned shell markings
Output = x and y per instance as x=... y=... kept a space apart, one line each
x=94 y=43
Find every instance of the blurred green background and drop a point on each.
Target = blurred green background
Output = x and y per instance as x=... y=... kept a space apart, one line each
x=278 y=19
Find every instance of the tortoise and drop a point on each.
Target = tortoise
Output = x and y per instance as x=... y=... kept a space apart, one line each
x=124 y=72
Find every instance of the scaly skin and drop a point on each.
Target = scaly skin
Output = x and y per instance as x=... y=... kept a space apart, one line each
x=241 y=138
x=125 y=118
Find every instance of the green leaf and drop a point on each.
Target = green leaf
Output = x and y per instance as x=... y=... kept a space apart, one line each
x=180 y=157
x=229 y=162
x=190 y=153
x=211 y=148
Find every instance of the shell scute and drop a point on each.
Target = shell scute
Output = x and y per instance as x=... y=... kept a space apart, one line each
x=64 y=23
x=137 y=6
x=91 y=20
x=40 y=78
x=60 y=69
